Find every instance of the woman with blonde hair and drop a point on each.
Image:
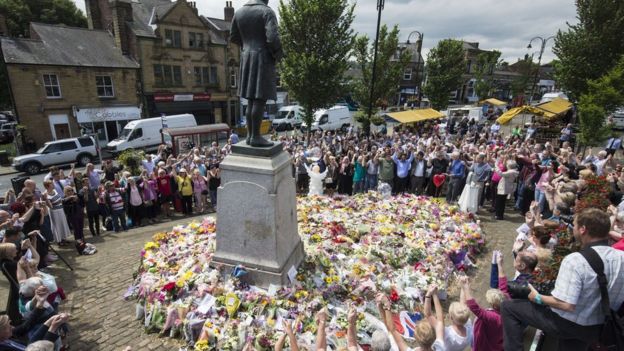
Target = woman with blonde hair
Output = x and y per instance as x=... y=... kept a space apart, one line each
x=60 y=228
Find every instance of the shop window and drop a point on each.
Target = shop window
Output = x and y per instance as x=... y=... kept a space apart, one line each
x=196 y=40
x=104 y=85
x=52 y=86
x=173 y=38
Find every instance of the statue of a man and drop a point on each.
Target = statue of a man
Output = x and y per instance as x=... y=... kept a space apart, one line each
x=254 y=27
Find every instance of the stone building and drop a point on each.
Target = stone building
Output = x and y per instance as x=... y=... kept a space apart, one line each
x=186 y=63
x=413 y=76
x=64 y=80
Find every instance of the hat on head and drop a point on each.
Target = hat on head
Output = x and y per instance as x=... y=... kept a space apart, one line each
x=183 y=170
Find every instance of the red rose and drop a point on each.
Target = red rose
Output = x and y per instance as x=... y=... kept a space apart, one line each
x=169 y=286
x=394 y=296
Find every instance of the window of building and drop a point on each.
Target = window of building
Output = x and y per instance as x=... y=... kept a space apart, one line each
x=104 y=85
x=196 y=40
x=173 y=38
x=214 y=77
x=233 y=80
x=468 y=66
x=166 y=75
x=52 y=86
x=201 y=75
x=407 y=74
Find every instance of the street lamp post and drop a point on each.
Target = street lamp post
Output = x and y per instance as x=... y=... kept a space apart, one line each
x=421 y=37
x=539 y=61
x=380 y=6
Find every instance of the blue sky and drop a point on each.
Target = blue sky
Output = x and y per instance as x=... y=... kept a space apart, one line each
x=506 y=25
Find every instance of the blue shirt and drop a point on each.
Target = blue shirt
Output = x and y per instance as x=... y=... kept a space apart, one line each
x=614 y=143
x=457 y=168
x=403 y=167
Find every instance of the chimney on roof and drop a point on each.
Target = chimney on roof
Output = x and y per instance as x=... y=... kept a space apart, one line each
x=228 y=12
x=121 y=13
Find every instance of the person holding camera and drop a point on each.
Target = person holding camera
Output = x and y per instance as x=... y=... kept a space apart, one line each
x=572 y=312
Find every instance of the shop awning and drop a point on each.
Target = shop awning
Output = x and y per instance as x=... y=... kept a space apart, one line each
x=509 y=115
x=493 y=101
x=554 y=108
x=412 y=116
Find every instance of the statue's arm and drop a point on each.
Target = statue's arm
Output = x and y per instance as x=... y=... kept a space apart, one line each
x=272 y=34
x=235 y=34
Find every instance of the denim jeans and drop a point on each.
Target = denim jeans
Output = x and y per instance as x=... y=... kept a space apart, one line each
x=119 y=215
x=540 y=198
x=371 y=182
x=494 y=276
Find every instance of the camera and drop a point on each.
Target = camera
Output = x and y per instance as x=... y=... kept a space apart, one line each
x=518 y=290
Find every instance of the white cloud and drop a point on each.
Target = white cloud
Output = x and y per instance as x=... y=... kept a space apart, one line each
x=503 y=25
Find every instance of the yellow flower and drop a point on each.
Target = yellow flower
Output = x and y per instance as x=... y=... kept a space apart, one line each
x=150 y=245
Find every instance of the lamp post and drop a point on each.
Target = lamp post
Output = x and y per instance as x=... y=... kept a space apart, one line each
x=539 y=61
x=380 y=6
x=421 y=37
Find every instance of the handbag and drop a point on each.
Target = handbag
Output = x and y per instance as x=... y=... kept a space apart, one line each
x=329 y=180
x=612 y=333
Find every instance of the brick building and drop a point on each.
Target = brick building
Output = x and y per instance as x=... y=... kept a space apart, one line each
x=186 y=63
x=63 y=79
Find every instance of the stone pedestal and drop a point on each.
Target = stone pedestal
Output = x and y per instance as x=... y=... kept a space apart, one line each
x=257 y=215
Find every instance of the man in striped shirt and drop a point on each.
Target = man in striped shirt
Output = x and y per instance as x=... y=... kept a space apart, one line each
x=115 y=204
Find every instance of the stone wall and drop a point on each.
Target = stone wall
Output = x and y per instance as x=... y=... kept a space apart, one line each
x=78 y=88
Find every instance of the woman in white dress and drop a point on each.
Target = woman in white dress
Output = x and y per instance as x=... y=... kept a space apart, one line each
x=60 y=228
x=316 y=179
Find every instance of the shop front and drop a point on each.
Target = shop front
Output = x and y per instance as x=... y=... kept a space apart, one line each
x=106 y=122
x=204 y=106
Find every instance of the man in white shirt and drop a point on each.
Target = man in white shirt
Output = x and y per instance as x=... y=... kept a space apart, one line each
x=419 y=171
x=599 y=161
x=150 y=161
x=573 y=312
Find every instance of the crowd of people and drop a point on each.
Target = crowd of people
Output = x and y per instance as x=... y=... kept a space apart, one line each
x=469 y=163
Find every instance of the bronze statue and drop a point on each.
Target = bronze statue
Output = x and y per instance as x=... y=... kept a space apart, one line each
x=254 y=27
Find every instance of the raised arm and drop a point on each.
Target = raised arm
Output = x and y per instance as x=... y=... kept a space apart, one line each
x=352 y=344
x=398 y=338
x=321 y=337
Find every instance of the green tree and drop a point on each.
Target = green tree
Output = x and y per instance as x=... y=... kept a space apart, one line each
x=391 y=63
x=603 y=97
x=317 y=39
x=445 y=66
x=526 y=68
x=19 y=14
x=487 y=62
x=590 y=48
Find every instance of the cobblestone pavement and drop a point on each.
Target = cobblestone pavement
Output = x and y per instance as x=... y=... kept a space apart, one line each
x=102 y=320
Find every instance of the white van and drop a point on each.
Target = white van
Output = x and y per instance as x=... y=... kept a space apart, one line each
x=288 y=117
x=552 y=96
x=618 y=118
x=337 y=117
x=472 y=112
x=145 y=133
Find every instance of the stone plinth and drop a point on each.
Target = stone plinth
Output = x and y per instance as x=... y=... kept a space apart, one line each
x=257 y=217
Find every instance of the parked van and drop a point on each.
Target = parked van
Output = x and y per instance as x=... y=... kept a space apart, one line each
x=145 y=133
x=472 y=112
x=552 y=96
x=337 y=117
x=288 y=117
x=618 y=118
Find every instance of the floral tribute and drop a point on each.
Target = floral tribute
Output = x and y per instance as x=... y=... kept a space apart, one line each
x=595 y=194
x=355 y=247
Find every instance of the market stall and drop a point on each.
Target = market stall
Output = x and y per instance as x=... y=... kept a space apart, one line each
x=413 y=116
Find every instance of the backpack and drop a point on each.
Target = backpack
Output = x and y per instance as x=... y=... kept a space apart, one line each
x=612 y=334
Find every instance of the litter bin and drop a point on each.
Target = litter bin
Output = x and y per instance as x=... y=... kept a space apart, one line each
x=18 y=183
x=4 y=158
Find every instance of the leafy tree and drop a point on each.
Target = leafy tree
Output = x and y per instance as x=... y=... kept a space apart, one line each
x=391 y=63
x=526 y=67
x=589 y=49
x=19 y=14
x=487 y=61
x=317 y=39
x=603 y=97
x=445 y=66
